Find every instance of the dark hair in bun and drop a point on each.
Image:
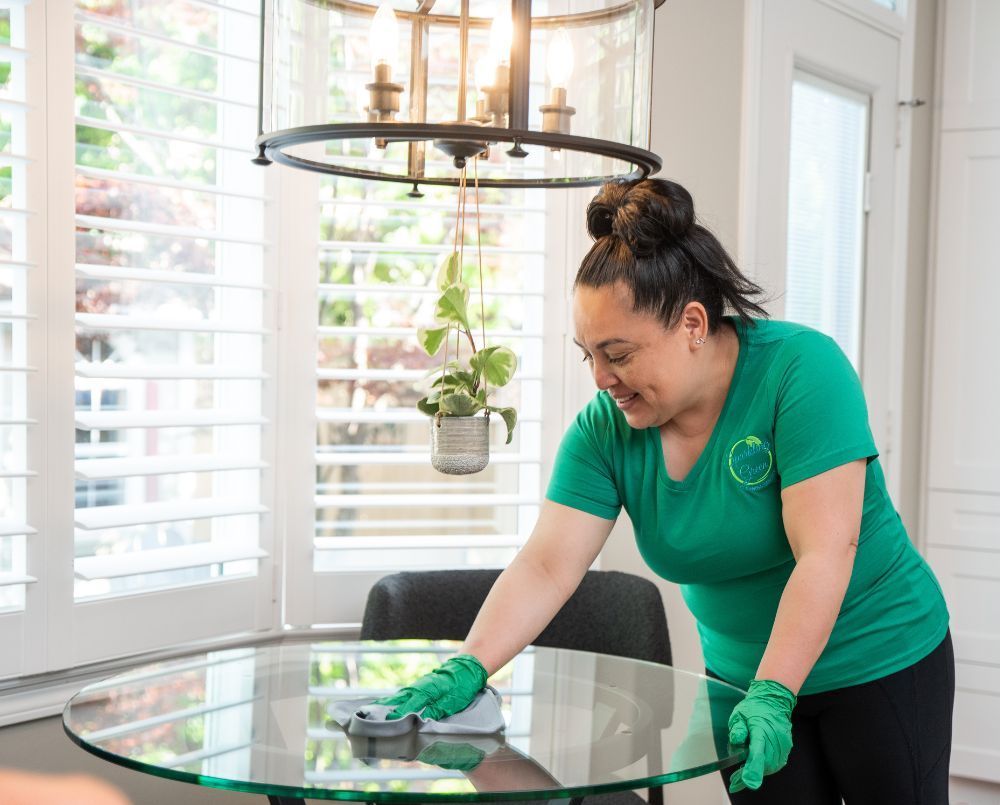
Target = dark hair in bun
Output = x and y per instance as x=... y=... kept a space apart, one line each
x=646 y=236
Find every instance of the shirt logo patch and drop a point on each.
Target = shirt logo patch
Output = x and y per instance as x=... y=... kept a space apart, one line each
x=751 y=462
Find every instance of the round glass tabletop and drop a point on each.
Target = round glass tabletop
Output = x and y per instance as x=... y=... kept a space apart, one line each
x=258 y=719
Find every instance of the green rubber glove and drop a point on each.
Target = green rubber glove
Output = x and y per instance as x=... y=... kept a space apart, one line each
x=765 y=718
x=452 y=755
x=446 y=690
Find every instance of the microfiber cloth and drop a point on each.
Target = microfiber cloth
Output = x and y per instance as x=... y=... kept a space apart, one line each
x=365 y=718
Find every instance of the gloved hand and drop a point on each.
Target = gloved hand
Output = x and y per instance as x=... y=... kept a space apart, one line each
x=446 y=690
x=765 y=717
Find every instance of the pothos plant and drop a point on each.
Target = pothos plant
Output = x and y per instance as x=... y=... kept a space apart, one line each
x=464 y=384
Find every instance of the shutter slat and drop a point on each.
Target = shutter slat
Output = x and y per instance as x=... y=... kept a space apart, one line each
x=132 y=81
x=390 y=374
x=372 y=247
x=350 y=291
x=420 y=542
x=205 y=417
x=11 y=53
x=101 y=321
x=361 y=458
x=96 y=518
x=394 y=525
x=174 y=277
x=162 y=372
x=12 y=579
x=422 y=501
x=424 y=205
x=158 y=560
x=333 y=331
x=10 y=105
x=18 y=474
x=160 y=181
x=18 y=369
x=11 y=529
x=165 y=230
x=121 y=128
x=102 y=21
x=18 y=317
x=93 y=469
x=391 y=415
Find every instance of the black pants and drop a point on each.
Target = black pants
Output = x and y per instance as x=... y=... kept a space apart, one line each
x=886 y=742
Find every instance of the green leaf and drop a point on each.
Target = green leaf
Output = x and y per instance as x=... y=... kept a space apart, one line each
x=425 y=406
x=431 y=338
x=459 y=404
x=449 y=271
x=451 y=306
x=496 y=364
x=509 y=419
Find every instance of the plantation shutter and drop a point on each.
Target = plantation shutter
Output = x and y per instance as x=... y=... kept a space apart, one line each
x=20 y=253
x=379 y=504
x=172 y=323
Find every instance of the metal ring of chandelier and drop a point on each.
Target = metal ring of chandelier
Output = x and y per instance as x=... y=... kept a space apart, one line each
x=274 y=146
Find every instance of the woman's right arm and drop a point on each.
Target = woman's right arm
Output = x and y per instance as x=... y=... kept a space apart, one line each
x=541 y=578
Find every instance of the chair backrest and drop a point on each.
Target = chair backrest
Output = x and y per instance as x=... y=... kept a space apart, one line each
x=610 y=612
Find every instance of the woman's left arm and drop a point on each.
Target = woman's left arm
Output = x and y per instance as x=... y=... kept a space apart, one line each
x=822 y=518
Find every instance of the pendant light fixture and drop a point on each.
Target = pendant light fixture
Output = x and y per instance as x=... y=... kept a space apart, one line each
x=548 y=93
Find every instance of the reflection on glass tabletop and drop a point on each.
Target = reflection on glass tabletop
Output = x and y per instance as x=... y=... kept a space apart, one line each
x=257 y=719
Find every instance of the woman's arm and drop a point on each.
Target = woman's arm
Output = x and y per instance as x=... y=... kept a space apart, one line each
x=533 y=588
x=822 y=517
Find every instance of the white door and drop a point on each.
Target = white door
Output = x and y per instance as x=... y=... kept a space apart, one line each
x=818 y=200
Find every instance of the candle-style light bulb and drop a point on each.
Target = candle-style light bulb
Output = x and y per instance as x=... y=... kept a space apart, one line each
x=383 y=92
x=383 y=36
x=557 y=112
x=560 y=59
x=501 y=36
x=485 y=73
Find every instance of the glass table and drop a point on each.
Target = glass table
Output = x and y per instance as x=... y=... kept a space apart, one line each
x=257 y=719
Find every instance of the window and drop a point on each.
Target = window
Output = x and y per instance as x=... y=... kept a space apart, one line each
x=826 y=210
x=197 y=450
x=170 y=296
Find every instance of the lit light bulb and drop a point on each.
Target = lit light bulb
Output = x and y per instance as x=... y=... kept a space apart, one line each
x=486 y=71
x=383 y=35
x=560 y=58
x=501 y=36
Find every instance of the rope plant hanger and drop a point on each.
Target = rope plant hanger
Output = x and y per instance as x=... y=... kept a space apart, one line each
x=459 y=437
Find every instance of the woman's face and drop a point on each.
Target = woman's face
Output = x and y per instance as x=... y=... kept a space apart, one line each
x=647 y=369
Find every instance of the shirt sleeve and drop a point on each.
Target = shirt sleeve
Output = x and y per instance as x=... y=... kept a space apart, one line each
x=582 y=477
x=821 y=418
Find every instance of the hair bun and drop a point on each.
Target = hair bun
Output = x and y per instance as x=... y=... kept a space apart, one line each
x=600 y=219
x=646 y=214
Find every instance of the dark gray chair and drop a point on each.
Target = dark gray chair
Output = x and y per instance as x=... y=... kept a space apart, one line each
x=610 y=613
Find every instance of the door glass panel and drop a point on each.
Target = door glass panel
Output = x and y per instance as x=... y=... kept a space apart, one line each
x=826 y=214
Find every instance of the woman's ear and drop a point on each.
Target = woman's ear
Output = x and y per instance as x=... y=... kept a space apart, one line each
x=694 y=321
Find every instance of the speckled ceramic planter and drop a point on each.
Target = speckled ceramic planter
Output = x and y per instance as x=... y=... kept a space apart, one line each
x=460 y=444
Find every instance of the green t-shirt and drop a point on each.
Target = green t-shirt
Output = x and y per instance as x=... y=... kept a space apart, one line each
x=795 y=408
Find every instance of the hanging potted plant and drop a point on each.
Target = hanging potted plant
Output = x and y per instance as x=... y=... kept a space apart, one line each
x=459 y=401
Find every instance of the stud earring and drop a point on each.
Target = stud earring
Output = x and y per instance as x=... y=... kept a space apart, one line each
x=699 y=340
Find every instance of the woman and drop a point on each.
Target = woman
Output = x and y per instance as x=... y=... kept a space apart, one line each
x=741 y=450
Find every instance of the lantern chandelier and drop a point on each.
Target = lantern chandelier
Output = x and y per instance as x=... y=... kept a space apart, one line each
x=545 y=93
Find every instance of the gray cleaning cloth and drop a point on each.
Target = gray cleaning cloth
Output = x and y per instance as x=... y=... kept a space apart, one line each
x=365 y=718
